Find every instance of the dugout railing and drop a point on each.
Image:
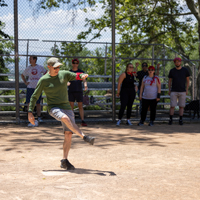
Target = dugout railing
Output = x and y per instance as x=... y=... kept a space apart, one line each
x=103 y=102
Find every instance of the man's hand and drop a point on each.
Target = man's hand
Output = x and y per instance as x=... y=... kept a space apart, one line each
x=84 y=76
x=27 y=83
x=86 y=88
x=31 y=118
x=68 y=83
x=158 y=66
x=157 y=99
x=140 y=97
x=169 y=92
x=117 y=94
x=137 y=64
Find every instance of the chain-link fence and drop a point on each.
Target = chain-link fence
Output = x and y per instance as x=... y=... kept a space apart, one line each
x=56 y=34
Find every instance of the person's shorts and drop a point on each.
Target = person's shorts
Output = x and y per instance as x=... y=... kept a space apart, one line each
x=75 y=96
x=180 y=96
x=58 y=113
x=29 y=93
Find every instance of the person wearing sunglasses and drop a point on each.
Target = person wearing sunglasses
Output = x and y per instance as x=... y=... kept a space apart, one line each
x=75 y=91
x=140 y=75
x=178 y=76
x=126 y=90
x=54 y=84
x=149 y=94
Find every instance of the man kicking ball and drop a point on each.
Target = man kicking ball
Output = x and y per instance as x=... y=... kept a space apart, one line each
x=54 y=84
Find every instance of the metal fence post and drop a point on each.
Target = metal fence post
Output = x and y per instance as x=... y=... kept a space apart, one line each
x=193 y=83
x=54 y=49
x=16 y=61
x=152 y=55
x=27 y=48
x=113 y=62
x=105 y=66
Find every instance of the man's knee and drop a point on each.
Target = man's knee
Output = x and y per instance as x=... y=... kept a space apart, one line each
x=68 y=134
x=80 y=104
x=65 y=118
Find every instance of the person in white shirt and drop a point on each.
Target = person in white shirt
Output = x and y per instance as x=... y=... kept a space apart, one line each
x=34 y=73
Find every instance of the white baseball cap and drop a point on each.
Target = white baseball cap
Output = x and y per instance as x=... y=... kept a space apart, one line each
x=54 y=62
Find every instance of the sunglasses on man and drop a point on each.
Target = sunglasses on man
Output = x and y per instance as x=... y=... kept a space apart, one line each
x=75 y=63
x=56 y=68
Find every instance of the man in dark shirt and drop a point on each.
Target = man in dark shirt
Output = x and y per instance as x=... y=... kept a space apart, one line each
x=141 y=74
x=75 y=91
x=178 y=76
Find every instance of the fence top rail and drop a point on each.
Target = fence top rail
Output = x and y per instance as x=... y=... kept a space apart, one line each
x=95 y=57
x=100 y=42
x=21 y=39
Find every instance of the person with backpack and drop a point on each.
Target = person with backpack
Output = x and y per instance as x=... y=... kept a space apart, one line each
x=150 y=95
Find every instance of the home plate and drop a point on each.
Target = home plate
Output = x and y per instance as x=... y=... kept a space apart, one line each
x=54 y=172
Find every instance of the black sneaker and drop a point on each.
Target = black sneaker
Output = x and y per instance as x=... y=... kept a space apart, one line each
x=89 y=139
x=180 y=122
x=170 y=122
x=140 y=123
x=151 y=123
x=66 y=164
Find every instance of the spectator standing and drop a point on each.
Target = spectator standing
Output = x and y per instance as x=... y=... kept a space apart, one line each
x=75 y=91
x=149 y=94
x=54 y=84
x=178 y=76
x=141 y=74
x=126 y=90
x=34 y=73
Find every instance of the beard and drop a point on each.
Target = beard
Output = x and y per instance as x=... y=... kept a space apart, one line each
x=177 y=66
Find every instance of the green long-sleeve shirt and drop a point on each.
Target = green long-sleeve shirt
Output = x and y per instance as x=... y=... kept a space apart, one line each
x=55 y=88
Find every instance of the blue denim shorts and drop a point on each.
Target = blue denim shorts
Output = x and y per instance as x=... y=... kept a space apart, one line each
x=29 y=93
x=58 y=113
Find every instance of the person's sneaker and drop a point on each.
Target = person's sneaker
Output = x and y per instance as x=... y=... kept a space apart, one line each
x=129 y=123
x=140 y=123
x=151 y=123
x=118 y=123
x=83 y=123
x=66 y=164
x=180 y=122
x=89 y=139
x=31 y=125
x=170 y=122
x=40 y=119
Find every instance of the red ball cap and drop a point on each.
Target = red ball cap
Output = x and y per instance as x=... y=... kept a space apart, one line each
x=177 y=58
x=75 y=59
x=151 y=67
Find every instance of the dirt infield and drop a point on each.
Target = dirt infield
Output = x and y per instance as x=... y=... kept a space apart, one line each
x=142 y=163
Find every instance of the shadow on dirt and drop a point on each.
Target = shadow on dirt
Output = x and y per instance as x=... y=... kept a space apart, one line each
x=80 y=171
x=15 y=137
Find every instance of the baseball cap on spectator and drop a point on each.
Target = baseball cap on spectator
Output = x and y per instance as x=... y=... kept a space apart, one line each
x=177 y=58
x=75 y=59
x=144 y=64
x=151 y=67
x=54 y=62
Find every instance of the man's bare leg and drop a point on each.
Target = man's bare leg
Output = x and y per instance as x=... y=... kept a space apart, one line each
x=72 y=105
x=67 y=143
x=66 y=147
x=171 y=112
x=73 y=127
x=81 y=111
x=181 y=110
